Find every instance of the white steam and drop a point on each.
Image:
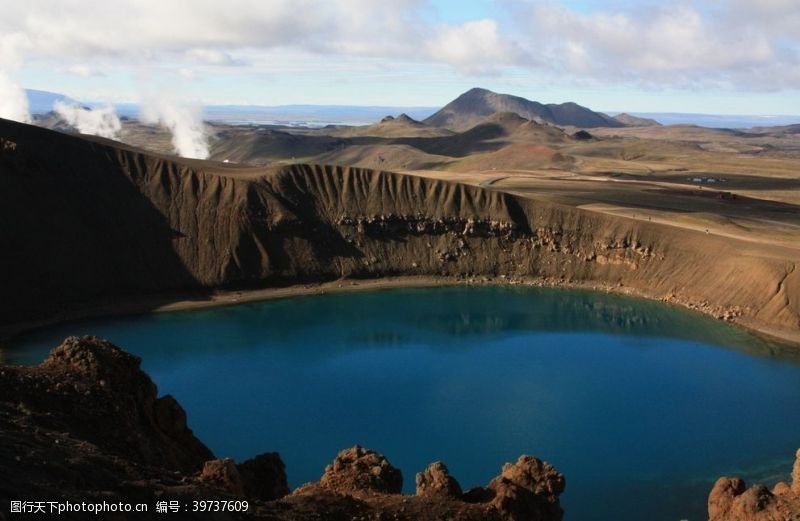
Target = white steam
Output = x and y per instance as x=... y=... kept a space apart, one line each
x=102 y=121
x=13 y=100
x=185 y=123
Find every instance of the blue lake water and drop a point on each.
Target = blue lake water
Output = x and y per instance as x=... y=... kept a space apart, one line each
x=641 y=405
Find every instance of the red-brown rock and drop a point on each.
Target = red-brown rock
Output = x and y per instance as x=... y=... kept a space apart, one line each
x=222 y=474
x=731 y=500
x=437 y=481
x=264 y=477
x=359 y=470
x=528 y=490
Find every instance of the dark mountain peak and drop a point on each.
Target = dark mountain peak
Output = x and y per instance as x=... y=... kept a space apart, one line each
x=473 y=106
x=476 y=91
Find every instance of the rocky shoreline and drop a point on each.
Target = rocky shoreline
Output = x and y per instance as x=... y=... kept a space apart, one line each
x=86 y=425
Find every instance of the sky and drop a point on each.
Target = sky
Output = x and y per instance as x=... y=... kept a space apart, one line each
x=704 y=56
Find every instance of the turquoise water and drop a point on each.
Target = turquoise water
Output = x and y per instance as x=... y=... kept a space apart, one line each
x=641 y=405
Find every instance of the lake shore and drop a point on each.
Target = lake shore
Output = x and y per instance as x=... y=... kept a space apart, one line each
x=786 y=341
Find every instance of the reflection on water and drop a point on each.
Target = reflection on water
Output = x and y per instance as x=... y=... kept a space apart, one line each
x=445 y=312
x=641 y=405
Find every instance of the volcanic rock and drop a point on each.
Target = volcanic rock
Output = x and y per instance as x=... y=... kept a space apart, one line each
x=437 y=481
x=731 y=500
x=264 y=477
x=528 y=490
x=358 y=470
x=223 y=474
x=105 y=398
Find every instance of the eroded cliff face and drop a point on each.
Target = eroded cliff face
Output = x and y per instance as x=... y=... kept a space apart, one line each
x=86 y=425
x=87 y=222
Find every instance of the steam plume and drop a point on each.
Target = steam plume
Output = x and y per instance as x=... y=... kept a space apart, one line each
x=13 y=100
x=185 y=124
x=102 y=122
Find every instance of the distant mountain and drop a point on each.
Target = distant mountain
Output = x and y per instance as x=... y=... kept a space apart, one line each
x=721 y=120
x=634 y=121
x=392 y=127
x=313 y=115
x=476 y=104
x=41 y=101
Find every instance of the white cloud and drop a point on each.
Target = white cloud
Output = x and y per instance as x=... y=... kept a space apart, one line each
x=734 y=44
x=82 y=70
x=213 y=57
x=731 y=44
x=474 y=47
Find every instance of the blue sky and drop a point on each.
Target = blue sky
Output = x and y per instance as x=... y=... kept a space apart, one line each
x=723 y=57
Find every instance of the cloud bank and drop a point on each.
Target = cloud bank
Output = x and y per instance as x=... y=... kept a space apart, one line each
x=734 y=45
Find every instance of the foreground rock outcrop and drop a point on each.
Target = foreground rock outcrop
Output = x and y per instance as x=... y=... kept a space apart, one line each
x=100 y=226
x=437 y=481
x=527 y=490
x=87 y=425
x=360 y=469
x=732 y=500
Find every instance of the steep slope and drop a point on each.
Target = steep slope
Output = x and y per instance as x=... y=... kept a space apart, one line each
x=90 y=222
x=468 y=109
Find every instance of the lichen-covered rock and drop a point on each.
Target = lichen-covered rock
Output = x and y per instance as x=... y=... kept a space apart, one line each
x=437 y=481
x=222 y=474
x=358 y=469
x=528 y=490
x=264 y=477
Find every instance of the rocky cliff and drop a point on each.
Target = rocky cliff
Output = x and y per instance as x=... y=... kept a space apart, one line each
x=88 y=224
